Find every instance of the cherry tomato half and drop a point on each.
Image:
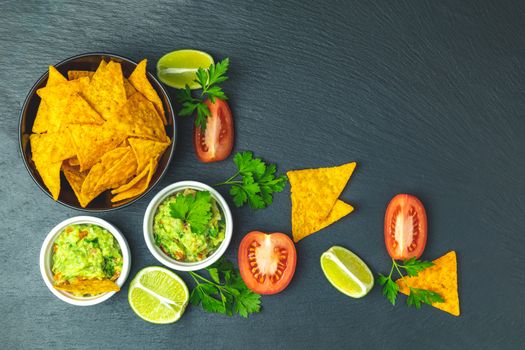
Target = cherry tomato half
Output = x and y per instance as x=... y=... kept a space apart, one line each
x=267 y=261
x=405 y=227
x=216 y=142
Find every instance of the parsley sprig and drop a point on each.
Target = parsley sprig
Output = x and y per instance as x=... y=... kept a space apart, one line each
x=208 y=80
x=226 y=293
x=417 y=296
x=193 y=210
x=254 y=182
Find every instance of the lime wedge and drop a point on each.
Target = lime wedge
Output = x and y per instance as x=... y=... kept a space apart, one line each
x=177 y=68
x=158 y=295
x=347 y=272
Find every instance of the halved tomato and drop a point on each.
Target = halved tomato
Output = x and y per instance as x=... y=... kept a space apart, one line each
x=216 y=142
x=405 y=227
x=267 y=261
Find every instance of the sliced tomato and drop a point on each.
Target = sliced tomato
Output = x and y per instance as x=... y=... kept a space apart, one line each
x=267 y=261
x=216 y=142
x=405 y=227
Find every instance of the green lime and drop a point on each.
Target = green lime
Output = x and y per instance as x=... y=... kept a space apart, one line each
x=347 y=272
x=177 y=68
x=158 y=295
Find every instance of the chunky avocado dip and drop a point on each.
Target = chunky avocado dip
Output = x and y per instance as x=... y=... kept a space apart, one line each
x=85 y=252
x=189 y=225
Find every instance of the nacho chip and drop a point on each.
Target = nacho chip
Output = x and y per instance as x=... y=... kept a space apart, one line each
x=73 y=161
x=50 y=174
x=74 y=177
x=139 y=80
x=119 y=174
x=78 y=111
x=89 y=187
x=88 y=287
x=441 y=278
x=138 y=118
x=77 y=74
x=145 y=150
x=314 y=193
x=41 y=123
x=56 y=99
x=52 y=147
x=91 y=142
x=340 y=210
x=137 y=186
x=105 y=92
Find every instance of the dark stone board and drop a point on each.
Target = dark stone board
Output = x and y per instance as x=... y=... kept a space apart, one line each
x=427 y=96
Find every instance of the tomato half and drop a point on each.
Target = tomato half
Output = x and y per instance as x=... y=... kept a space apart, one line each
x=216 y=142
x=405 y=227
x=267 y=261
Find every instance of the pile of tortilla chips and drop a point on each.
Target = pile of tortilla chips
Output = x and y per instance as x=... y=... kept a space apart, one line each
x=315 y=193
x=103 y=131
x=442 y=278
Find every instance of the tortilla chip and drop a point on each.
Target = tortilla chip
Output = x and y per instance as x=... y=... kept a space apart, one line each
x=50 y=174
x=119 y=174
x=79 y=111
x=73 y=161
x=106 y=93
x=74 y=177
x=88 y=287
x=145 y=150
x=76 y=74
x=56 y=100
x=441 y=278
x=314 y=193
x=52 y=147
x=139 y=80
x=41 y=122
x=89 y=187
x=137 y=186
x=340 y=210
x=55 y=77
x=91 y=142
x=138 y=118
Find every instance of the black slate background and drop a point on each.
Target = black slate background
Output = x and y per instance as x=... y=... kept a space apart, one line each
x=427 y=96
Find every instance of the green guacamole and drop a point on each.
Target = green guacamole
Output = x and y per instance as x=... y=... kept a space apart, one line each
x=86 y=252
x=177 y=239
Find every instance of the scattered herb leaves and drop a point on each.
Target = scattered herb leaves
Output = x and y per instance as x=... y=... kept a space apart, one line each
x=254 y=182
x=225 y=292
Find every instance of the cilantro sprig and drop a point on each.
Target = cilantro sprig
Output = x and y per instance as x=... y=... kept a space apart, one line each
x=225 y=292
x=417 y=296
x=193 y=209
x=208 y=80
x=254 y=182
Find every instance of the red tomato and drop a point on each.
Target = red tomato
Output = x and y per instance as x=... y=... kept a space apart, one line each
x=216 y=142
x=267 y=261
x=405 y=227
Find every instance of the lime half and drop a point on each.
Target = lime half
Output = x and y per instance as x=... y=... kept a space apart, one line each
x=178 y=68
x=158 y=295
x=347 y=272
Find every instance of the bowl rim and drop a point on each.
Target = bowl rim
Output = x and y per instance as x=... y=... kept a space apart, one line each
x=152 y=209
x=47 y=245
x=32 y=92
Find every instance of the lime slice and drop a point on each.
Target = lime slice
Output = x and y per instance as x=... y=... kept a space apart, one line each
x=347 y=272
x=177 y=68
x=158 y=295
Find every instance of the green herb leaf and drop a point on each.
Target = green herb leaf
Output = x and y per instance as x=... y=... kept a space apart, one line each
x=390 y=288
x=422 y=296
x=414 y=266
x=226 y=293
x=255 y=181
x=193 y=209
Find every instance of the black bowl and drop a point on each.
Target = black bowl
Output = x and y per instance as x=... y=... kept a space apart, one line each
x=90 y=61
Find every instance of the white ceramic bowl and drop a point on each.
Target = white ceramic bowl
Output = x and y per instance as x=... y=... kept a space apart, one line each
x=46 y=260
x=152 y=210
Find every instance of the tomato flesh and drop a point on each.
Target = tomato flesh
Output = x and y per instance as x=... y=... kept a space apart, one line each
x=405 y=227
x=267 y=261
x=215 y=143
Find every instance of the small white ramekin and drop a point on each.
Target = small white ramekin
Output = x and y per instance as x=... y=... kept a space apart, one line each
x=152 y=210
x=46 y=253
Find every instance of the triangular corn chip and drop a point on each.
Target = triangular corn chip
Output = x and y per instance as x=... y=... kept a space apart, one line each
x=88 y=287
x=76 y=74
x=78 y=111
x=74 y=177
x=441 y=278
x=136 y=186
x=314 y=193
x=145 y=150
x=140 y=82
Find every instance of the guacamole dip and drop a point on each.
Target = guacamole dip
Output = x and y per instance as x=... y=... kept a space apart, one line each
x=86 y=252
x=189 y=225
